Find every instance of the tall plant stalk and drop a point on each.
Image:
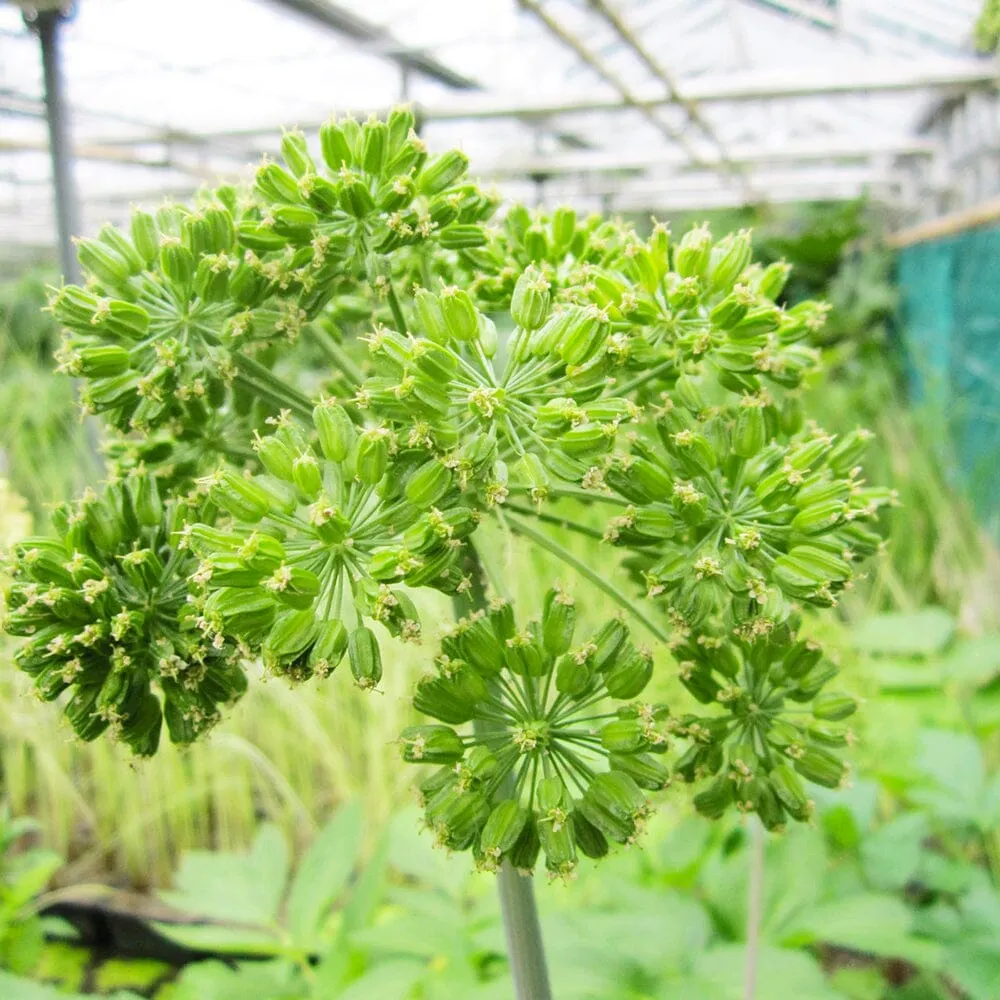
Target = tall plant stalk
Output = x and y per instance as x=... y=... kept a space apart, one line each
x=522 y=930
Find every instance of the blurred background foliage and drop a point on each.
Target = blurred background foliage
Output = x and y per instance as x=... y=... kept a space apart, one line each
x=894 y=893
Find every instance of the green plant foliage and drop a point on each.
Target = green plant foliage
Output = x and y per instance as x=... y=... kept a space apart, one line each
x=23 y=877
x=477 y=366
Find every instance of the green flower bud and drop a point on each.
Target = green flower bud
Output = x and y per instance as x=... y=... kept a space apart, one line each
x=177 y=262
x=365 y=658
x=371 y=455
x=442 y=172
x=713 y=801
x=791 y=792
x=459 y=313
x=103 y=262
x=292 y=633
x=428 y=484
x=145 y=237
x=833 y=706
x=329 y=648
x=772 y=281
x=821 y=767
x=451 y=699
x=502 y=830
x=431 y=745
x=306 y=475
x=294 y=586
x=589 y=839
x=530 y=303
x=335 y=146
x=693 y=253
x=630 y=673
x=240 y=496
x=728 y=260
x=643 y=768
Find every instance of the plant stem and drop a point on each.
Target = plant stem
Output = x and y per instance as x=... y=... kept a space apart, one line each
x=337 y=354
x=593 y=576
x=525 y=950
x=755 y=907
x=397 y=310
x=646 y=376
x=256 y=377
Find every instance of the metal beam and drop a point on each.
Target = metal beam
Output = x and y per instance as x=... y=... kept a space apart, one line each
x=744 y=154
x=807 y=10
x=346 y=23
x=731 y=88
x=595 y=63
x=384 y=44
x=638 y=47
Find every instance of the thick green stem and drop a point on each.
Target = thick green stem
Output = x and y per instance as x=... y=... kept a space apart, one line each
x=551 y=545
x=525 y=950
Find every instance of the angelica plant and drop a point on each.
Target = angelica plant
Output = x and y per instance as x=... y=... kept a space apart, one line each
x=335 y=376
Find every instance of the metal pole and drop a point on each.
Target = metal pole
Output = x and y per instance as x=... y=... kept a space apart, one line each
x=46 y=23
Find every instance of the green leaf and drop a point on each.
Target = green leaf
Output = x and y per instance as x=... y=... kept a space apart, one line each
x=15 y=988
x=952 y=764
x=891 y=855
x=905 y=675
x=323 y=874
x=392 y=981
x=918 y=634
x=719 y=974
x=975 y=967
x=868 y=923
x=368 y=888
x=242 y=888
x=29 y=880
x=216 y=981
x=973 y=661
x=223 y=940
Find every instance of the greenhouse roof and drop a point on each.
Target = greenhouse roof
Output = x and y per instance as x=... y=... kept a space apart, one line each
x=624 y=105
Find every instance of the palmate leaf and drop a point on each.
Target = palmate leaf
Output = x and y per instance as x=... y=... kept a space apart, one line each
x=241 y=888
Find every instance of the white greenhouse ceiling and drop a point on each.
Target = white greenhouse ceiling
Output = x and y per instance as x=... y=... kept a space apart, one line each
x=621 y=105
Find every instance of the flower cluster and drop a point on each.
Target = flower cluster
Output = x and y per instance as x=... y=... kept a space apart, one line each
x=346 y=368
x=105 y=612
x=320 y=538
x=549 y=767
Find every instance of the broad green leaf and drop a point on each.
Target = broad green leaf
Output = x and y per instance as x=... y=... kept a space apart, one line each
x=781 y=975
x=368 y=889
x=29 y=881
x=890 y=856
x=905 y=675
x=657 y=931
x=973 y=661
x=15 y=988
x=392 y=981
x=216 y=981
x=242 y=888
x=898 y=634
x=859 y=984
x=323 y=874
x=952 y=765
x=975 y=967
x=223 y=940
x=869 y=923
x=412 y=852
